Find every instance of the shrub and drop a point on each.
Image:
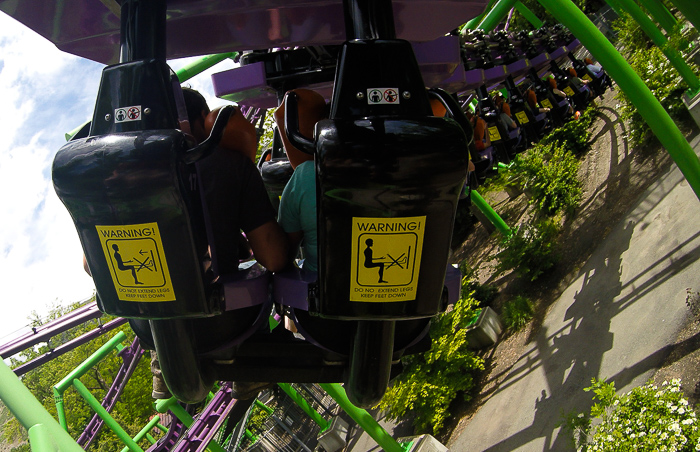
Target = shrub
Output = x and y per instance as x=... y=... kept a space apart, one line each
x=646 y=418
x=530 y=250
x=483 y=293
x=657 y=73
x=431 y=380
x=574 y=136
x=551 y=175
x=517 y=313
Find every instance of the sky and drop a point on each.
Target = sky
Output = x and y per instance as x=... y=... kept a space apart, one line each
x=44 y=93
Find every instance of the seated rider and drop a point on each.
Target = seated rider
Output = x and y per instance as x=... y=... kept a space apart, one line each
x=574 y=78
x=553 y=86
x=481 y=139
x=579 y=84
x=297 y=211
x=595 y=68
x=236 y=198
x=504 y=112
x=532 y=101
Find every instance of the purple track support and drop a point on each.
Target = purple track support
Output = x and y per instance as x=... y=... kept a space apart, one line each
x=130 y=359
x=91 y=30
x=171 y=438
x=205 y=427
x=495 y=75
x=45 y=332
x=68 y=346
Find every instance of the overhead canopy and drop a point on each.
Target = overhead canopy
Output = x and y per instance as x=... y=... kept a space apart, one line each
x=90 y=28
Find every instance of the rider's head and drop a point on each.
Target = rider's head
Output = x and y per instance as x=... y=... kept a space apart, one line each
x=197 y=111
x=115 y=247
x=311 y=109
x=369 y=242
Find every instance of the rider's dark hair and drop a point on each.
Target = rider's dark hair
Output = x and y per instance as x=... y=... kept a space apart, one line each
x=196 y=104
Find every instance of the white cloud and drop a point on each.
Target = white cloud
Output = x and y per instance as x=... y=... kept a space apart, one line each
x=45 y=93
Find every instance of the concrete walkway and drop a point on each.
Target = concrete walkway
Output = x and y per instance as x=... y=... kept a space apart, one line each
x=613 y=322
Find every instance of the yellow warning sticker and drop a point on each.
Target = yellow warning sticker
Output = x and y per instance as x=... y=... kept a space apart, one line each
x=569 y=91
x=546 y=103
x=587 y=77
x=386 y=254
x=522 y=117
x=493 y=134
x=136 y=262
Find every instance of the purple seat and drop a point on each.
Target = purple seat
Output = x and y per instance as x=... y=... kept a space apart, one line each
x=540 y=60
x=487 y=154
x=495 y=75
x=291 y=287
x=249 y=287
x=248 y=84
x=519 y=68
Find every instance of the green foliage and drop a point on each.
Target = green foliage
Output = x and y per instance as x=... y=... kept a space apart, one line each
x=256 y=420
x=430 y=381
x=520 y=23
x=22 y=448
x=134 y=406
x=551 y=174
x=648 y=418
x=517 y=313
x=631 y=38
x=266 y=138
x=657 y=73
x=530 y=250
x=574 y=136
x=483 y=293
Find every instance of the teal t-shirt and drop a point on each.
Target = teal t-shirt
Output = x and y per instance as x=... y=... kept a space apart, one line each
x=297 y=211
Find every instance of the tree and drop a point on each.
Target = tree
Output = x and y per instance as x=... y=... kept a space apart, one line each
x=520 y=23
x=135 y=405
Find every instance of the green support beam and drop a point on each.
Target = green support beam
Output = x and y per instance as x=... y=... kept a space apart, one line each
x=45 y=434
x=689 y=8
x=475 y=21
x=108 y=420
x=499 y=11
x=629 y=81
x=659 y=40
x=60 y=387
x=202 y=64
x=615 y=6
x=660 y=14
x=491 y=214
x=305 y=406
x=364 y=419
x=528 y=14
x=144 y=433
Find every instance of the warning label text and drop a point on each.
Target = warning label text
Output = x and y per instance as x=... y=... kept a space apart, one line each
x=136 y=261
x=386 y=254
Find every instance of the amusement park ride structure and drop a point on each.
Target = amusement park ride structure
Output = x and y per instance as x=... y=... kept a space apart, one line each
x=387 y=171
